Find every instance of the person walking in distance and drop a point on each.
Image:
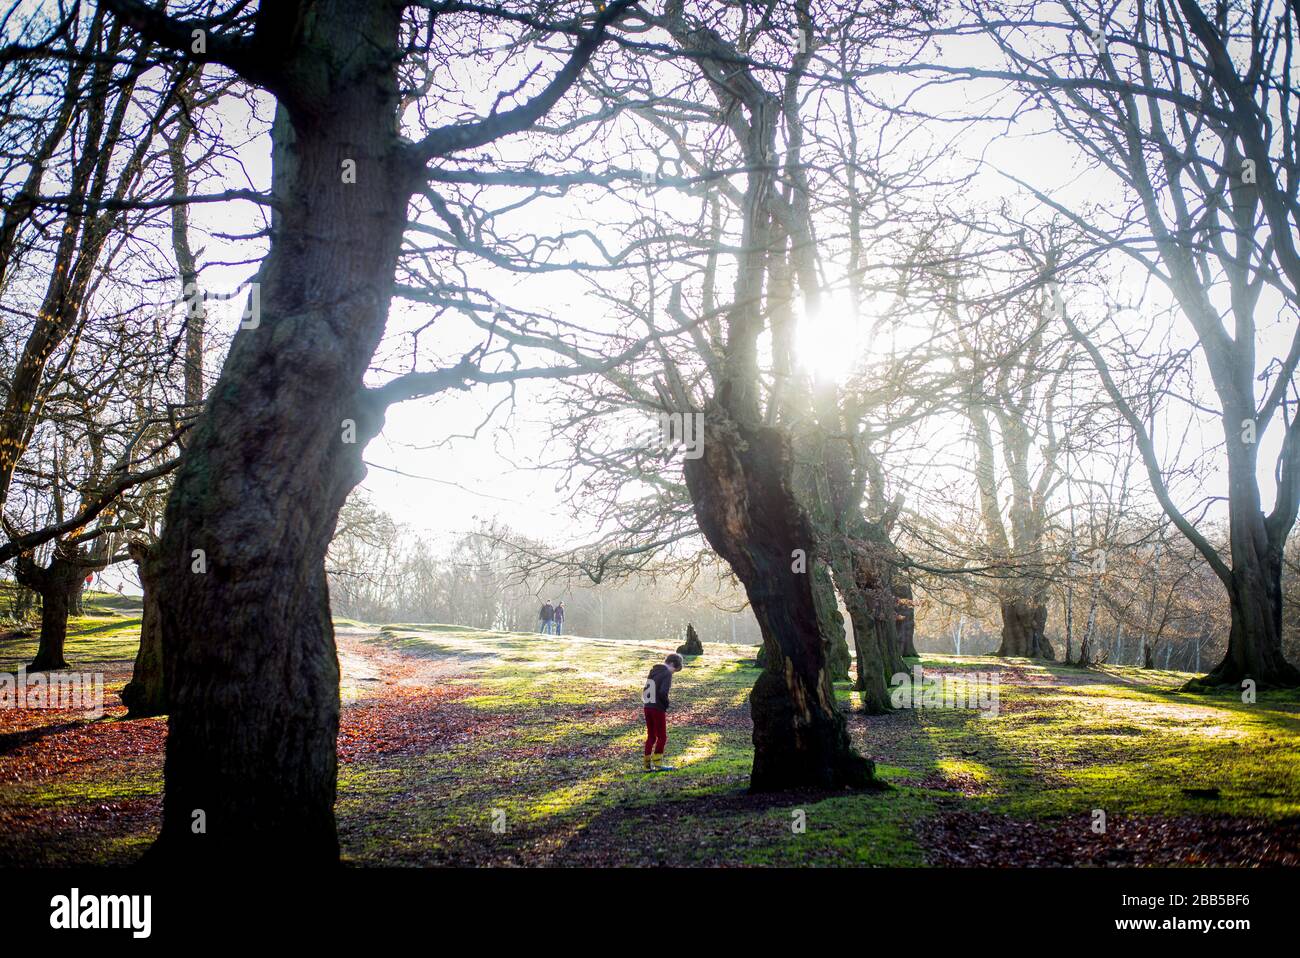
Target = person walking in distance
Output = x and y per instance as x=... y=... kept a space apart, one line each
x=545 y=617
x=559 y=618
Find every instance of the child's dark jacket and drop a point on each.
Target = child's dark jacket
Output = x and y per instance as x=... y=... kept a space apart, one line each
x=662 y=676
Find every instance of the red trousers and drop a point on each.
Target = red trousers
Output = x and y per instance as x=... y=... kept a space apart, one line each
x=656 y=727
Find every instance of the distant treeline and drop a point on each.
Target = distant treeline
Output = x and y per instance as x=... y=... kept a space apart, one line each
x=1153 y=597
x=381 y=571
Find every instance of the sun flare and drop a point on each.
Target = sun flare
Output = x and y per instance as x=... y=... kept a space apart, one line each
x=829 y=341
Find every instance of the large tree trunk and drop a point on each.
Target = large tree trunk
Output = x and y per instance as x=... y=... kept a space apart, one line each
x=742 y=491
x=863 y=575
x=1024 y=619
x=866 y=584
x=872 y=682
x=58 y=585
x=252 y=675
x=823 y=475
x=55 y=606
x=1254 y=578
x=831 y=622
x=146 y=693
x=1255 y=639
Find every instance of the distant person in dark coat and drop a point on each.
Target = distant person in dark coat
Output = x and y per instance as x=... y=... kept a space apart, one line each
x=559 y=619
x=545 y=618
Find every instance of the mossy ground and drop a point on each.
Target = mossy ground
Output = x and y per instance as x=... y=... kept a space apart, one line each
x=470 y=747
x=107 y=630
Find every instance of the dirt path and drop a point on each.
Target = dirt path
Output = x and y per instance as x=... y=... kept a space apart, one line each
x=366 y=666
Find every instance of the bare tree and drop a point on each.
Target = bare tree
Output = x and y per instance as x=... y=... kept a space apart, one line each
x=1193 y=114
x=251 y=670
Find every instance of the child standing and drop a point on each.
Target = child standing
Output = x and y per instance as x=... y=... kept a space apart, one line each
x=655 y=699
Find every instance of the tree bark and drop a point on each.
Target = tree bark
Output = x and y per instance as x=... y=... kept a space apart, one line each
x=747 y=509
x=55 y=607
x=1023 y=622
x=58 y=585
x=872 y=681
x=1254 y=582
x=1069 y=623
x=831 y=622
x=146 y=693
x=1255 y=638
x=251 y=671
x=833 y=481
x=866 y=583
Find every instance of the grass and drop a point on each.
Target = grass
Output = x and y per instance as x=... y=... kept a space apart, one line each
x=108 y=630
x=517 y=748
x=1120 y=739
x=1125 y=740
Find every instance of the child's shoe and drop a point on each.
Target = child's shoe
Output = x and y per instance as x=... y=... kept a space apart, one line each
x=659 y=765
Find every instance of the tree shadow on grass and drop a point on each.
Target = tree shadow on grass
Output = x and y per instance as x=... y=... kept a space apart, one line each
x=12 y=741
x=112 y=625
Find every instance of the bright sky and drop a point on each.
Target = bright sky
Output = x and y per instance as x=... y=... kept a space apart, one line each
x=442 y=486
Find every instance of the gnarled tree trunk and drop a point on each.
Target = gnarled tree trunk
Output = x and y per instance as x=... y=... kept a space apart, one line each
x=832 y=622
x=872 y=681
x=814 y=483
x=741 y=489
x=1255 y=638
x=146 y=693
x=1024 y=618
x=252 y=674
x=858 y=551
x=865 y=581
x=58 y=585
